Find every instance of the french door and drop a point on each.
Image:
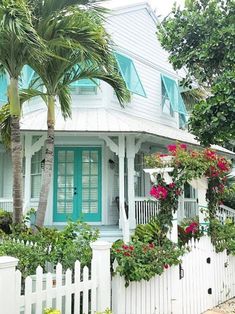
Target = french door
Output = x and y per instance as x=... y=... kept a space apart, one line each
x=77 y=184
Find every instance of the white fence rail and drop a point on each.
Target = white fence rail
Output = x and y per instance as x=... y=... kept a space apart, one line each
x=78 y=291
x=207 y=280
x=6 y=204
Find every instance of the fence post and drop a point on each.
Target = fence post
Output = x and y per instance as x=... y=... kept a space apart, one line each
x=7 y=284
x=101 y=262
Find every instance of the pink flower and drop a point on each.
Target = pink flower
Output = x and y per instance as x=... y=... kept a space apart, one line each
x=172 y=148
x=159 y=192
x=183 y=146
x=192 y=228
x=166 y=266
x=178 y=192
x=172 y=185
x=151 y=245
x=210 y=154
x=223 y=165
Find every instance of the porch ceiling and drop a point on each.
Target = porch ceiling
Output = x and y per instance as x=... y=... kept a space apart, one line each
x=103 y=120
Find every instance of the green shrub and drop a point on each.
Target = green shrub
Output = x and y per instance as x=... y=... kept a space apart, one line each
x=53 y=246
x=155 y=230
x=229 y=196
x=5 y=221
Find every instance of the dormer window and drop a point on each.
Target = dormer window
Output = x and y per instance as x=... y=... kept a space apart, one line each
x=85 y=87
x=130 y=75
x=172 y=100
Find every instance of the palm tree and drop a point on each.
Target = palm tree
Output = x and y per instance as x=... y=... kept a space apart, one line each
x=18 y=40
x=76 y=36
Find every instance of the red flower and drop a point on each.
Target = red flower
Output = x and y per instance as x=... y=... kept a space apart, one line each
x=127 y=253
x=172 y=185
x=172 y=148
x=192 y=228
x=178 y=192
x=125 y=247
x=131 y=248
x=166 y=266
x=210 y=154
x=159 y=192
x=223 y=165
x=151 y=245
x=183 y=146
x=163 y=155
x=118 y=250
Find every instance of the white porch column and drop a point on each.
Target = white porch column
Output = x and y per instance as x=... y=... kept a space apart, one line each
x=130 y=146
x=202 y=202
x=121 y=156
x=27 y=178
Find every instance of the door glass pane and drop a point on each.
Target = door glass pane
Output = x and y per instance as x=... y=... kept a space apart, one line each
x=85 y=181
x=94 y=181
x=85 y=168
x=85 y=207
x=94 y=194
x=94 y=168
x=69 y=207
x=69 y=169
x=61 y=168
x=94 y=156
x=60 y=207
x=94 y=207
x=85 y=194
x=85 y=156
x=61 y=156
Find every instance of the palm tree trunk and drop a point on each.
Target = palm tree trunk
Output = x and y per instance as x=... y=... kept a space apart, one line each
x=49 y=156
x=16 y=151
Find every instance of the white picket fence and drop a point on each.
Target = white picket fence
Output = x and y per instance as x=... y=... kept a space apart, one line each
x=82 y=291
x=207 y=280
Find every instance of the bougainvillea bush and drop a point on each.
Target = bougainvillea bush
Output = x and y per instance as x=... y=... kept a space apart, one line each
x=142 y=260
x=187 y=165
x=188 y=229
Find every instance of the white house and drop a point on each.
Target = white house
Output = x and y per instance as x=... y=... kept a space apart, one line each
x=99 y=152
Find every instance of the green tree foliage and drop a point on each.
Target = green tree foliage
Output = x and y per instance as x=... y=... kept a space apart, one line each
x=202 y=38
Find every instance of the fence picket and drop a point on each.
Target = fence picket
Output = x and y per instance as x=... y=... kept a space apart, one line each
x=28 y=295
x=85 y=307
x=77 y=275
x=39 y=274
x=58 y=286
x=49 y=285
x=68 y=291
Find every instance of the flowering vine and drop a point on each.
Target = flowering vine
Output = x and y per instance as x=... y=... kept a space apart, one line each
x=186 y=165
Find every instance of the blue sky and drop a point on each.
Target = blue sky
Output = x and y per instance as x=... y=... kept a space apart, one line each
x=162 y=7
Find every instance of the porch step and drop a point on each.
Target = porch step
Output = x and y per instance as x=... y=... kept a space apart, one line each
x=110 y=233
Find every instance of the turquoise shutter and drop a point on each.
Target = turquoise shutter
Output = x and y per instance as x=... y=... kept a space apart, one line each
x=3 y=89
x=85 y=83
x=174 y=95
x=26 y=76
x=130 y=75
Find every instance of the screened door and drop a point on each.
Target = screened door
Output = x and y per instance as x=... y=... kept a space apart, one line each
x=77 y=184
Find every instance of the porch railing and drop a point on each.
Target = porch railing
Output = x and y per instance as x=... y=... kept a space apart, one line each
x=225 y=212
x=147 y=208
x=6 y=204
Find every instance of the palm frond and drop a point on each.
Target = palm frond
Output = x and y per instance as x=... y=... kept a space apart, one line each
x=63 y=93
x=5 y=125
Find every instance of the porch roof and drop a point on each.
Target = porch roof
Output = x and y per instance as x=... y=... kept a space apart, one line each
x=106 y=120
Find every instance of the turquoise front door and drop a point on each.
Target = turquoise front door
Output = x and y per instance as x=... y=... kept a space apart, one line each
x=77 y=184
